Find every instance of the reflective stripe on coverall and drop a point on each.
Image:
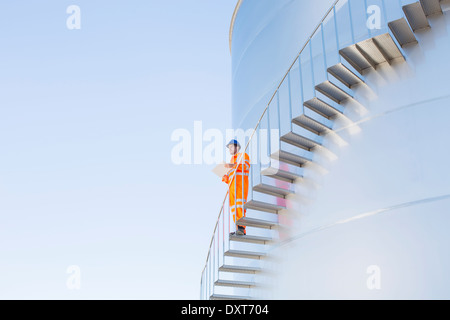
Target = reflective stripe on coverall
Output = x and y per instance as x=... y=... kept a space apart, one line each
x=237 y=179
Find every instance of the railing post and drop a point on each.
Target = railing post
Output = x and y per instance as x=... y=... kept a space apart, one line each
x=201 y=287
x=367 y=17
x=290 y=101
x=338 y=44
x=243 y=200
x=302 y=92
x=278 y=112
x=216 y=259
x=269 y=147
x=223 y=234
x=384 y=12
x=312 y=67
x=324 y=52
x=211 y=276
x=207 y=278
x=351 y=21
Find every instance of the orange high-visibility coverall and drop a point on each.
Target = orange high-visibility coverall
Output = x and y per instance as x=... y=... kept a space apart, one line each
x=237 y=179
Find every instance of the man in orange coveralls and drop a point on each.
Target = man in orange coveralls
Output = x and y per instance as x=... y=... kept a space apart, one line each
x=237 y=180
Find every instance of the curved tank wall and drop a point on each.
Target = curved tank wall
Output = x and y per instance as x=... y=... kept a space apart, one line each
x=372 y=220
x=373 y=223
x=266 y=37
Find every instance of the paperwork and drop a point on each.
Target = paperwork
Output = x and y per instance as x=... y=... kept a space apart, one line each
x=220 y=170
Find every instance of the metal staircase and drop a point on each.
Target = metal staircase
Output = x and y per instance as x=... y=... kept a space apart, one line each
x=297 y=148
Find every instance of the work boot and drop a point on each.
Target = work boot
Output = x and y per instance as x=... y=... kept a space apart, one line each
x=240 y=231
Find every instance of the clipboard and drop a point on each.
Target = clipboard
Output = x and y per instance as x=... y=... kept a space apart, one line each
x=220 y=170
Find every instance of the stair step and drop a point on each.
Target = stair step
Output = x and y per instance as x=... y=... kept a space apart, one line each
x=244 y=254
x=322 y=108
x=345 y=75
x=234 y=283
x=311 y=124
x=431 y=7
x=372 y=52
x=354 y=57
x=369 y=49
x=250 y=239
x=290 y=158
x=288 y=175
x=239 y=269
x=263 y=206
x=416 y=16
x=402 y=32
x=273 y=190
x=333 y=92
x=228 y=297
x=256 y=223
x=388 y=48
x=299 y=141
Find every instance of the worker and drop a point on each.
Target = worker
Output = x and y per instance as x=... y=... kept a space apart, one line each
x=237 y=180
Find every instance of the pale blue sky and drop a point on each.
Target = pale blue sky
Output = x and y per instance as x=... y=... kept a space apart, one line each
x=86 y=118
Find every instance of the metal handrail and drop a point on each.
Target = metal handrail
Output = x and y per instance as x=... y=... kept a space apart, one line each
x=215 y=228
x=261 y=118
x=270 y=101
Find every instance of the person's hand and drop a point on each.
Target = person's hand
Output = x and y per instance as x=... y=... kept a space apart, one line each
x=229 y=165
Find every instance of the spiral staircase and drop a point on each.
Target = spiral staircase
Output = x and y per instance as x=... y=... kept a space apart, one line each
x=308 y=132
